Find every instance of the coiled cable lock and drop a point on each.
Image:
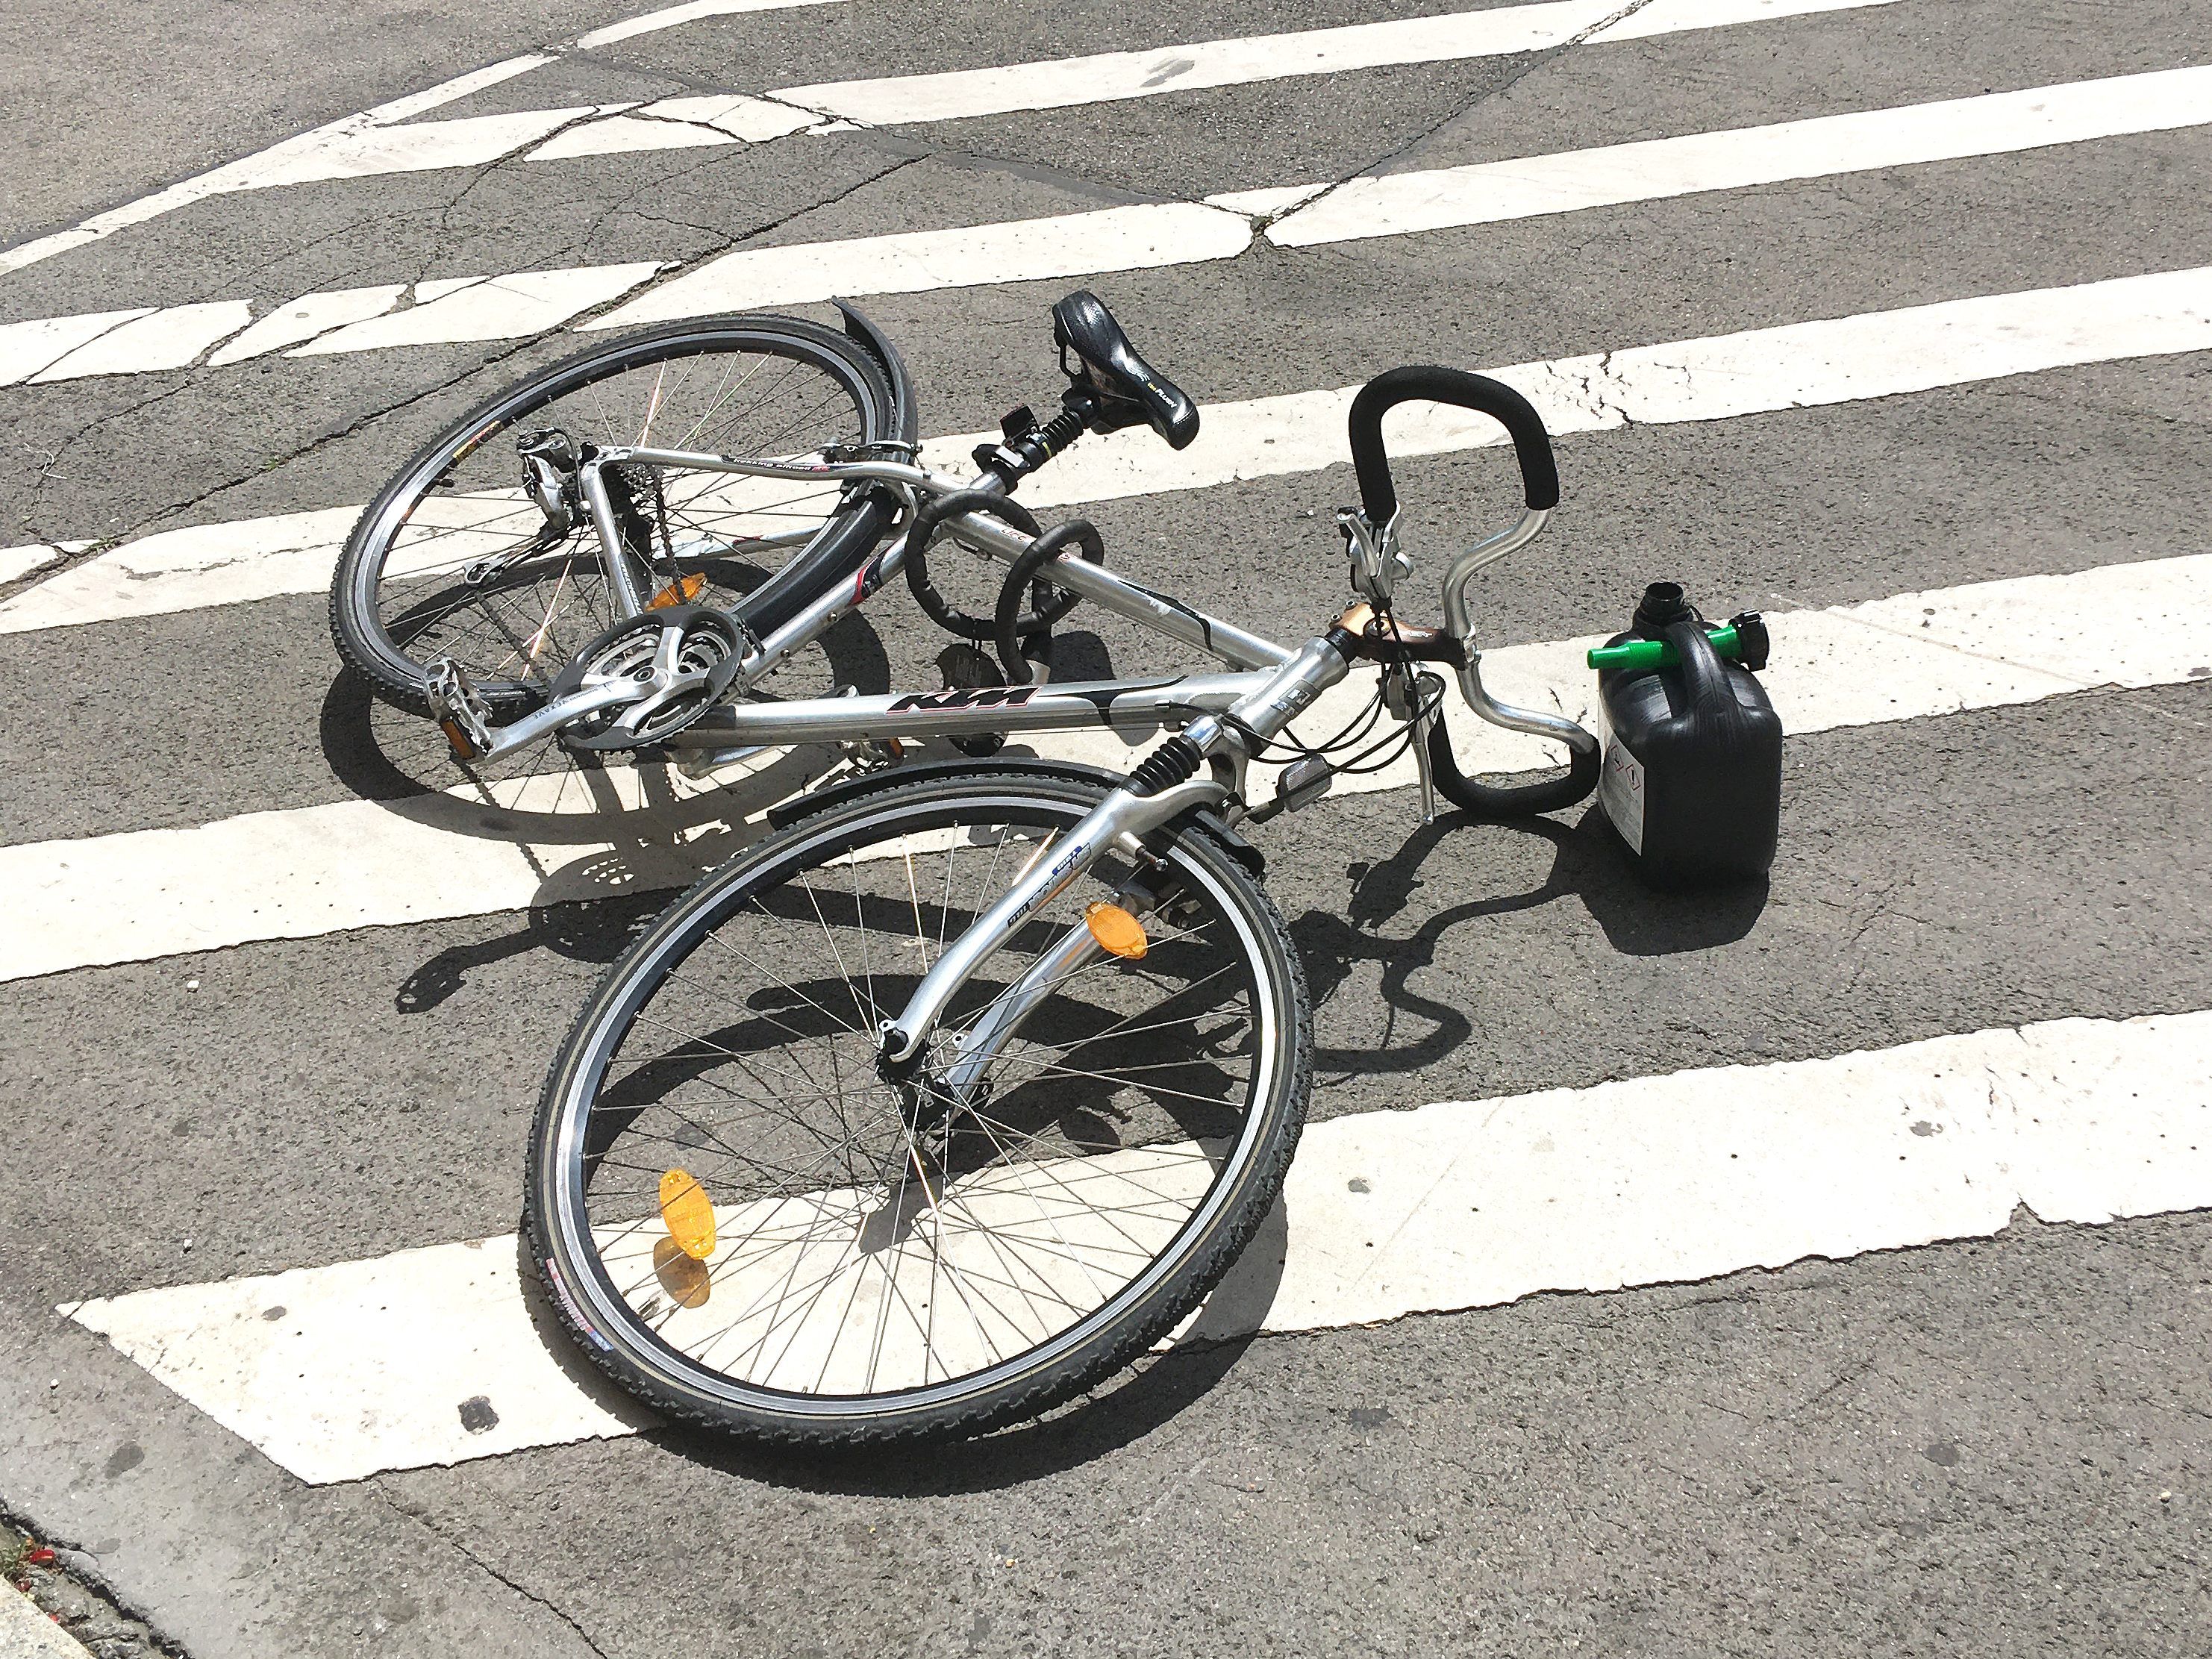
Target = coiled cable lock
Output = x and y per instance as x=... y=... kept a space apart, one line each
x=1011 y=630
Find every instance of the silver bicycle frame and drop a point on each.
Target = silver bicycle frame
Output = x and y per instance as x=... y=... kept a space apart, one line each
x=1218 y=713
x=1120 y=821
x=734 y=725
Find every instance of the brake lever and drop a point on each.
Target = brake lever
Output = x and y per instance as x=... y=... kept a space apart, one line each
x=1377 y=563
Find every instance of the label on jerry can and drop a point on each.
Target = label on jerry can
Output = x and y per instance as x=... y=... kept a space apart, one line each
x=1621 y=792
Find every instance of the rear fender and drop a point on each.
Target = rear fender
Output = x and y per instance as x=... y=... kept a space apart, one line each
x=906 y=419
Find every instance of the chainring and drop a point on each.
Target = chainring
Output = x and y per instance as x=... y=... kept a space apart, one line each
x=708 y=649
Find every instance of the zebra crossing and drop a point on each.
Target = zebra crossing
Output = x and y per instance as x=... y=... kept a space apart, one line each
x=390 y=138
x=2081 y=1121
x=1914 y=361
x=525 y=303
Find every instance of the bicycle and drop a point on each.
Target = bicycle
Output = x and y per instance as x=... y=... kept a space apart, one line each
x=960 y=1091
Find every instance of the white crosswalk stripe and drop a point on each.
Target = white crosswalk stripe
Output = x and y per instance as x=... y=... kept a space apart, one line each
x=1110 y=76
x=1457 y=1205
x=360 y=1360
x=1396 y=204
x=298 y=872
x=1144 y=237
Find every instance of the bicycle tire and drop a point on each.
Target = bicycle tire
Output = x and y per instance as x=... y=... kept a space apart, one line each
x=848 y=535
x=565 y=1239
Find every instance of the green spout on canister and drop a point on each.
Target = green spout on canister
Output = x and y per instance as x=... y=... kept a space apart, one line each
x=1660 y=654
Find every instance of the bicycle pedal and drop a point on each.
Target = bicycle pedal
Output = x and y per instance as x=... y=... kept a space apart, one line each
x=459 y=709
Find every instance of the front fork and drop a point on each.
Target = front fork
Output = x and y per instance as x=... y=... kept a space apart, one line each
x=1217 y=744
x=1118 y=823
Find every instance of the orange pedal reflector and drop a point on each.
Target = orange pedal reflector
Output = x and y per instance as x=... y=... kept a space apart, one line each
x=688 y=1213
x=1116 y=929
x=681 y=591
x=465 y=747
x=686 y=1280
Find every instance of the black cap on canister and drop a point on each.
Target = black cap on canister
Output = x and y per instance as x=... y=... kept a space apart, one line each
x=1663 y=603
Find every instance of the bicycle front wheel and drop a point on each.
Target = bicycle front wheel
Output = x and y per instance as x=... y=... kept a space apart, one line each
x=744 y=1224
x=454 y=559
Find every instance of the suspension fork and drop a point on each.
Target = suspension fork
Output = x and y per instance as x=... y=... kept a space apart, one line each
x=1150 y=890
x=978 y=1046
x=1133 y=811
x=903 y=1041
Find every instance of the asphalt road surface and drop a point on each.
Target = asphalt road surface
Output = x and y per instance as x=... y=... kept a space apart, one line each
x=1885 y=1329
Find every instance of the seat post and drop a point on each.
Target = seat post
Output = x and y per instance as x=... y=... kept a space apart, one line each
x=1025 y=445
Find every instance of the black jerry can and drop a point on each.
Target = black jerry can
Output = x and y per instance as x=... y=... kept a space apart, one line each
x=1692 y=776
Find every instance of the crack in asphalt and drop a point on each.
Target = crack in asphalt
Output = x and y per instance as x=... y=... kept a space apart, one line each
x=1536 y=60
x=83 y=1566
x=70 y=350
x=324 y=440
x=46 y=473
x=914 y=148
x=477 y=174
x=422 y=1519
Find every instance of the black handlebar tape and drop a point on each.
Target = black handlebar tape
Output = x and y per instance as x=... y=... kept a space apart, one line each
x=1494 y=802
x=1531 y=445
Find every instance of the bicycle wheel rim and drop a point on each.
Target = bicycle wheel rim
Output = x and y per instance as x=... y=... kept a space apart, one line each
x=385 y=612
x=605 y=1313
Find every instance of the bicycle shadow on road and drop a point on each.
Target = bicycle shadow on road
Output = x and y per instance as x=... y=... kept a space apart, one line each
x=1123 y=1410
x=543 y=796
x=587 y=910
x=1587 y=865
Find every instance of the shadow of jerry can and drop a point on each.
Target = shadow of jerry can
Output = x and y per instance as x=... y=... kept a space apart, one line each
x=1691 y=781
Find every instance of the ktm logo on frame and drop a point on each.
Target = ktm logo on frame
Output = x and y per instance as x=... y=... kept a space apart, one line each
x=980 y=696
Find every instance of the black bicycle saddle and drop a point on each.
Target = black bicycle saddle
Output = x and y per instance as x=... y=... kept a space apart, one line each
x=1127 y=388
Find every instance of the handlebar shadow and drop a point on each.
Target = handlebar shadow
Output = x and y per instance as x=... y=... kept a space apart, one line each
x=1587 y=865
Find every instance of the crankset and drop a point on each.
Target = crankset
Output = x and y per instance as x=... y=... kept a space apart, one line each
x=681 y=659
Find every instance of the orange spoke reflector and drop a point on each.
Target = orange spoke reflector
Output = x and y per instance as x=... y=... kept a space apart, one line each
x=681 y=591
x=1116 y=929
x=688 y=1213
x=686 y=1280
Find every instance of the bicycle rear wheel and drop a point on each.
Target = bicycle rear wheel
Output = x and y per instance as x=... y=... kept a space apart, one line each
x=745 y=1226
x=449 y=560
